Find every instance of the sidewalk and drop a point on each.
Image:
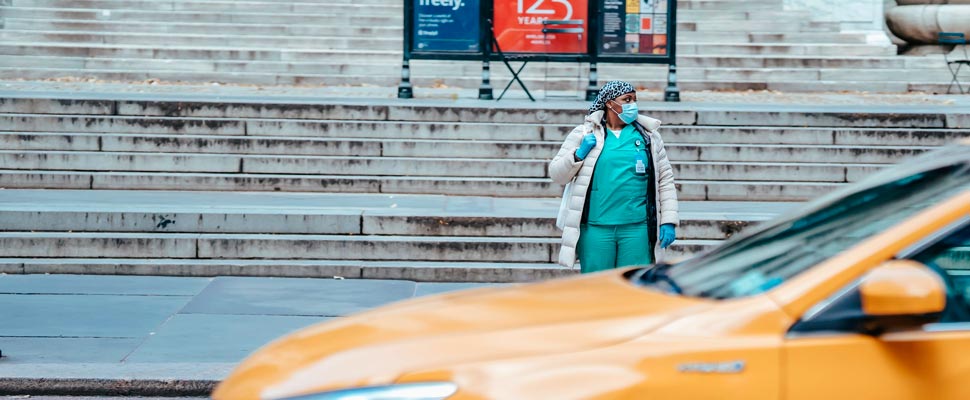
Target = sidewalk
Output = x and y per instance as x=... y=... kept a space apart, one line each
x=173 y=336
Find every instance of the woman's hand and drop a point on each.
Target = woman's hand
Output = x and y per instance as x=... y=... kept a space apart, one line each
x=589 y=141
x=668 y=234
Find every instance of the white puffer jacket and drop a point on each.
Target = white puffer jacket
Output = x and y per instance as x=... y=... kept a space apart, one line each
x=564 y=168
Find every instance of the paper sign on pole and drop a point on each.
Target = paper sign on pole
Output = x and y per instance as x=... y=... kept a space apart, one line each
x=519 y=24
x=634 y=27
x=446 y=25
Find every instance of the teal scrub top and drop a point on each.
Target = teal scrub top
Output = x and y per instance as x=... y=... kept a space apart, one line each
x=618 y=195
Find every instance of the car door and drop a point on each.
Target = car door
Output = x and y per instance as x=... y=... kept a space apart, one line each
x=929 y=361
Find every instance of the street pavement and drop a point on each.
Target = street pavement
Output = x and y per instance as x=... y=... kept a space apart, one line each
x=103 y=331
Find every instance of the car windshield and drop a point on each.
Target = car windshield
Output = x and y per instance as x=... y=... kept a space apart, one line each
x=784 y=248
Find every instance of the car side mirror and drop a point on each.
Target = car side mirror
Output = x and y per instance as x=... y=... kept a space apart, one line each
x=901 y=294
x=897 y=295
x=902 y=287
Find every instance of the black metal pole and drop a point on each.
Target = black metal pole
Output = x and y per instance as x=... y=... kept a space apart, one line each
x=404 y=90
x=671 y=92
x=485 y=90
x=593 y=88
x=486 y=37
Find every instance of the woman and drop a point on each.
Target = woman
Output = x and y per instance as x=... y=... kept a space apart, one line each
x=623 y=203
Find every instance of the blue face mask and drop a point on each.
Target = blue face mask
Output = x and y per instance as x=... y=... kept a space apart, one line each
x=629 y=113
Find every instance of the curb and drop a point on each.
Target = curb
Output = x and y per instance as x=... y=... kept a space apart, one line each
x=106 y=387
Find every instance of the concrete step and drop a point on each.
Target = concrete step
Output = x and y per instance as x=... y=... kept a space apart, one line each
x=195 y=233
x=397 y=144
x=321 y=222
x=813 y=49
x=458 y=75
x=214 y=6
x=299 y=6
x=445 y=151
x=350 y=14
x=748 y=124
x=707 y=190
x=336 y=222
x=278 y=79
x=217 y=116
x=819 y=136
x=339 y=213
x=693 y=37
x=421 y=271
x=879 y=75
x=293 y=247
x=272 y=53
x=168 y=27
x=743 y=43
x=260 y=246
x=218 y=40
x=807 y=37
x=377 y=32
x=789 y=153
x=412 y=138
x=730 y=5
x=733 y=170
x=262 y=164
x=756 y=26
x=696 y=15
x=384 y=72
x=194 y=52
x=692 y=65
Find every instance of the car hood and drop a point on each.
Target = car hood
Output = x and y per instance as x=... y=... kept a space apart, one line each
x=379 y=346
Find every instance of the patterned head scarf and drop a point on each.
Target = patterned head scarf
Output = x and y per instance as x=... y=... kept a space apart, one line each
x=610 y=91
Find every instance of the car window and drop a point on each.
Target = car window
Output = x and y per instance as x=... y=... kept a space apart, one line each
x=783 y=249
x=950 y=257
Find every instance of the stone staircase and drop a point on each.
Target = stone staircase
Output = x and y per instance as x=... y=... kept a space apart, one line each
x=422 y=238
x=723 y=44
x=432 y=148
x=421 y=190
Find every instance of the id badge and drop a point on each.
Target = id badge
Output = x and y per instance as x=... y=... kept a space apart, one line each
x=641 y=163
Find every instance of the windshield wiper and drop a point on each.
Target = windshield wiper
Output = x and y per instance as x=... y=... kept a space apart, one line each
x=659 y=273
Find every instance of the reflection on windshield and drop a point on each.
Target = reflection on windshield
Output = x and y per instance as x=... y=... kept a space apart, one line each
x=767 y=258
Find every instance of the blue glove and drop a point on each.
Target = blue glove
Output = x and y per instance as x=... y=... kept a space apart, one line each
x=668 y=233
x=589 y=141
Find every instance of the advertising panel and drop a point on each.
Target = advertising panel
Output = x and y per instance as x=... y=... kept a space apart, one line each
x=634 y=27
x=446 y=25
x=519 y=23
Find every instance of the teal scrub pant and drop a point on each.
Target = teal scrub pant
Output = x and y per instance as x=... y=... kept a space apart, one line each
x=603 y=247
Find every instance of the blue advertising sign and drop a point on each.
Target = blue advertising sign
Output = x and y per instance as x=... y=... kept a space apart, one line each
x=446 y=25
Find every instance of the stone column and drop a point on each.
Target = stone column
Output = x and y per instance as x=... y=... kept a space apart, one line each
x=918 y=22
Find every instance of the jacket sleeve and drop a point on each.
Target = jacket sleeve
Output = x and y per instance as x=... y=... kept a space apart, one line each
x=666 y=188
x=564 y=166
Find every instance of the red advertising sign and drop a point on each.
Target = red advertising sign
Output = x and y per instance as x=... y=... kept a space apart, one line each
x=519 y=26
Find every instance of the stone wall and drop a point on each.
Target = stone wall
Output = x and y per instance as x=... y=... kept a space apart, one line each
x=863 y=16
x=855 y=15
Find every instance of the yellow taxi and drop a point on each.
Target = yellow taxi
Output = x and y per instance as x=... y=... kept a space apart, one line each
x=862 y=294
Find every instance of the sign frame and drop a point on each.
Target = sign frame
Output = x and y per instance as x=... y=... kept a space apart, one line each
x=587 y=56
x=413 y=54
x=593 y=54
x=635 y=58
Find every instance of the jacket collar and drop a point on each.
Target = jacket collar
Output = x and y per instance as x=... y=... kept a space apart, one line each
x=650 y=123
